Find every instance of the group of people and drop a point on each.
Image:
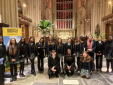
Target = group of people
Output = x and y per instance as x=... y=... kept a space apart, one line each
x=61 y=57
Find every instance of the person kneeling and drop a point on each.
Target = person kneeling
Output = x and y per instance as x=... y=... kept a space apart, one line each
x=69 y=61
x=87 y=65
x=53 y=64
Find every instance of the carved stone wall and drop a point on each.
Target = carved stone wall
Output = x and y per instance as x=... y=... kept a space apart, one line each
x=64 y=34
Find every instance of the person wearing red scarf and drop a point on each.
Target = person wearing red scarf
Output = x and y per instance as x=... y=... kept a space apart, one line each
x=90 y=46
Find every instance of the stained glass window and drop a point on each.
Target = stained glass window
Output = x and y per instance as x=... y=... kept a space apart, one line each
x=64 y=11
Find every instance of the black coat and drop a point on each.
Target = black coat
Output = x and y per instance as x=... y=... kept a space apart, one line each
x=4 y=53
x=47 y=47
x=91 y=65
x=39 y=50
x=2 y=67
x=108 y=47
x=16 y=56
x=24 y=49
x=62 y=49
x=29 y=49
x=66 y=48
x=69 y=60
x=100 y=48
x=55 y=62
x=81 y=48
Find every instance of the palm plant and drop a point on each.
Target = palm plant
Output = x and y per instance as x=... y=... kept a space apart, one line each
x=102 y=35
x=44 y=27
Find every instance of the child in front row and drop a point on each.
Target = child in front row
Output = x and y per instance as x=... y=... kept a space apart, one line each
x=87 y=65
x=53 y=64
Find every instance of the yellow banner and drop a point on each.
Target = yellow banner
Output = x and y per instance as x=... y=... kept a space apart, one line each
x=12 y=31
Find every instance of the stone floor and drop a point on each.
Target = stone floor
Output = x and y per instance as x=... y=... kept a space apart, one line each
x=42 y=79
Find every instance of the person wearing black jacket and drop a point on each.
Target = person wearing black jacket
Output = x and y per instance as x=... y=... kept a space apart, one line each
x=69 y=61
x=53 y=64
x=2 y=60
x=23 y=54
x=107 y=53
x=50 y=45
x=99 y=53
x=60 y=51
x=13 y=56
x=87 y=65
x=78 y=50
x=68 y=45
x=40 y=53
x=32 y=53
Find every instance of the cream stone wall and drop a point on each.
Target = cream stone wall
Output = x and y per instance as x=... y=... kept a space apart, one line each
x=9 y=11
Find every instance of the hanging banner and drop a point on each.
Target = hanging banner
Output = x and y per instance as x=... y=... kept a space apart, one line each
x=9 y=33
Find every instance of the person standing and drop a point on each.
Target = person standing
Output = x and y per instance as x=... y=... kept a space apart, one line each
x=23 y=54
x=32 y=53
x=78 y=50
x=90 y=46
x=40 y=53
x=60 y=51
x=50 y=45
x=2 y=60
x=99 y=53
x=13 y=56
x=108 y=53
x=68 y=45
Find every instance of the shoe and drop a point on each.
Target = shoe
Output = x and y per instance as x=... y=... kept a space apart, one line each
x=100 y=70
x=76 y=70
x=97 y=70
x=34 y=74
x=111 y=73
x=57 y=76
x=15 y=78
x=27 y=63
x=11 y=80
x=20 y=75
x=107 y=71
x=49 y=76
x=23 y=75
x=39 y=72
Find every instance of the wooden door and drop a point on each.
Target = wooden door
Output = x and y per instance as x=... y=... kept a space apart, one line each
x=25 y=32
x=109 y=30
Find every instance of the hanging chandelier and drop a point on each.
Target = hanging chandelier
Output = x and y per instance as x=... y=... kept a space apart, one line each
x=87 y=19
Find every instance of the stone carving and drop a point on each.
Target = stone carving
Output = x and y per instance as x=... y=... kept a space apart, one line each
x=97 y=31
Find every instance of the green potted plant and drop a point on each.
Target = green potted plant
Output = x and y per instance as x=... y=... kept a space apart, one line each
x=102 y=35
x=44 y=27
